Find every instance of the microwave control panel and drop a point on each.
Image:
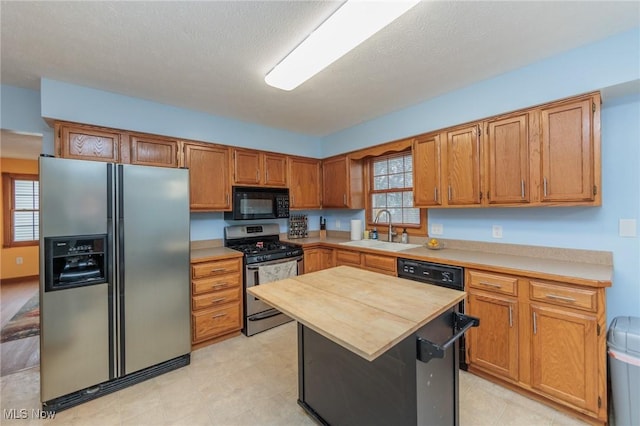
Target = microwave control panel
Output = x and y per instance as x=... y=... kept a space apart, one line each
x=282 y=206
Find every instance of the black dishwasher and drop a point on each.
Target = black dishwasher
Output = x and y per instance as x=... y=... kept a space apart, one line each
x=440 y=275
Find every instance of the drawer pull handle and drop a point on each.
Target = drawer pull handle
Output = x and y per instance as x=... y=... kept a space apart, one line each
x=218 y=300
x=224 y=314
x=561 y=298
x=221 y=285
x=490 y=284
x=218 y=270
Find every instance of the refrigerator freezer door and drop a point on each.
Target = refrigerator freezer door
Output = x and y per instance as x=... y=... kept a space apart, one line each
x=74 y=323
x=74 y=341
x=73 y=197
x=154 y=232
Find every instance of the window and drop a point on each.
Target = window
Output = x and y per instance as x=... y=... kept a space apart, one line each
x=21 y=204
x=391 y=188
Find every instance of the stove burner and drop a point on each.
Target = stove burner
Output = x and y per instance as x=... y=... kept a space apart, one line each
x=261 y=247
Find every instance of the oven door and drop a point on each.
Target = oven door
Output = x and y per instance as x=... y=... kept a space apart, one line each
x=252 y=278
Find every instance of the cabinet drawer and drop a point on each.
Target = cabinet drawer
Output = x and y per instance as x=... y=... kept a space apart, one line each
x=579 y=298
x=384 y=264
x=212 y=322
x=220 y=267
x=491 y=282
x=345 y=257
x=215 y=298
x=204 y=285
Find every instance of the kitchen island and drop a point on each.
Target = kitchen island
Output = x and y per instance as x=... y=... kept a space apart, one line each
x=370 y=346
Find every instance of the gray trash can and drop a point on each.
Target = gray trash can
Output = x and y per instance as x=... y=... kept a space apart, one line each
x=624 y=365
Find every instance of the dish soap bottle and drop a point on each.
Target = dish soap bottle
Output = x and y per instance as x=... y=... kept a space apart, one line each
x=374 y=233
x=405 y=236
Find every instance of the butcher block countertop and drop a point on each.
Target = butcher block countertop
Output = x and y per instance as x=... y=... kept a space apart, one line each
x=365 y=312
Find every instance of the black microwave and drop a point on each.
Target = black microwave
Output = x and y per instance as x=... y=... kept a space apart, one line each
x=249 y=203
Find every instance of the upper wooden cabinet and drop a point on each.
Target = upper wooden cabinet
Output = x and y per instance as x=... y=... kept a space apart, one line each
x=305 y=185
x=507 y=160
x=209 y=181
x=258 y=168
x=568 y=151
x=461 y=168
x=427 y=189
x=146 y=150
x=342 y=183
x=544 y=155
x=87 y=142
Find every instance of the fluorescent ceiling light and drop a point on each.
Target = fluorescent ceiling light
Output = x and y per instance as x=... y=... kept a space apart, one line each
x=353 y=23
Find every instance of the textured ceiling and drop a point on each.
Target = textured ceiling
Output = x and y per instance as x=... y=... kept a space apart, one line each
x=212 y=56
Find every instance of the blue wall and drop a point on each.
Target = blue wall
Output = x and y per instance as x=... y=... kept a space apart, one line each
x=610 y=62
x=20 y=112
x=69 y=102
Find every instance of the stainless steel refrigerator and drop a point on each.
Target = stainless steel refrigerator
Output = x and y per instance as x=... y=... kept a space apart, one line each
x=114 y=277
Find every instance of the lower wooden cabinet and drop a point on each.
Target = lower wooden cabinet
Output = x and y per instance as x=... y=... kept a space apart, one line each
x=564 y=356
x=369 y=261
x=216 y=300
x=494 y=344
x=317 y=259
x=546 y=338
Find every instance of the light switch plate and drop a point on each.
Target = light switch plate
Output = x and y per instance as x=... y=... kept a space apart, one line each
x=437 y=229
x=627 y=228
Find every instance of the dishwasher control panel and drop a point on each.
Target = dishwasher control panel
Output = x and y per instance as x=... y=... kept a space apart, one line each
x=431 y=273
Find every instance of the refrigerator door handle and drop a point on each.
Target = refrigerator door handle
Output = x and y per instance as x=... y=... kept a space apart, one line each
x=113 y=344
x=121 y=269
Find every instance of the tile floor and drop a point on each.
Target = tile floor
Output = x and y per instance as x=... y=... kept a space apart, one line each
x=246 y=381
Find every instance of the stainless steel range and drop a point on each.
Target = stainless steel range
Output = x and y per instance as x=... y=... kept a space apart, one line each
x=266 y=259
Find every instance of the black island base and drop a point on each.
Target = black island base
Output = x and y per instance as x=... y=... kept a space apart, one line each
x=413 y=383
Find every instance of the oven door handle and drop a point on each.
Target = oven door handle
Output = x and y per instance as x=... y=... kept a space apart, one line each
x=264 y=315
x=273 y=262
x=427 y=350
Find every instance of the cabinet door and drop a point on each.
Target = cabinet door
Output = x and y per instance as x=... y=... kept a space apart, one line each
x=246 y=167
x=463 y=166
x=564 y=355
x=312 y=260
x=304 y=183
x=334 y=183
x=493 y=345
x=148 y=151
x=567 y=152
x=348 y=258
x=326 y=258
x=208 y=177
x=275 y=169
x=87 y=143
x=508 y=160
x=426 y=171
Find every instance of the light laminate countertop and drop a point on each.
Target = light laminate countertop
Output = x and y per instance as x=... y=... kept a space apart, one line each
x=363 y=311
x=549 y=268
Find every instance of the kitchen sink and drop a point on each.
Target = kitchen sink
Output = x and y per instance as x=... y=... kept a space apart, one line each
x=380 y=245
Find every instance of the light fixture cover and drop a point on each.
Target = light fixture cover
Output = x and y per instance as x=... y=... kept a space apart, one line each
x=353 y=23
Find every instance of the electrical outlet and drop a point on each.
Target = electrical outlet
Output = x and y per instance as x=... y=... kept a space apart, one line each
x=497 y=231
x=437 y=229
x=337 y=223
x=19 y=260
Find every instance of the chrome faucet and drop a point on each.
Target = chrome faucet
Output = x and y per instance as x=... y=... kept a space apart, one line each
x=391 y=233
